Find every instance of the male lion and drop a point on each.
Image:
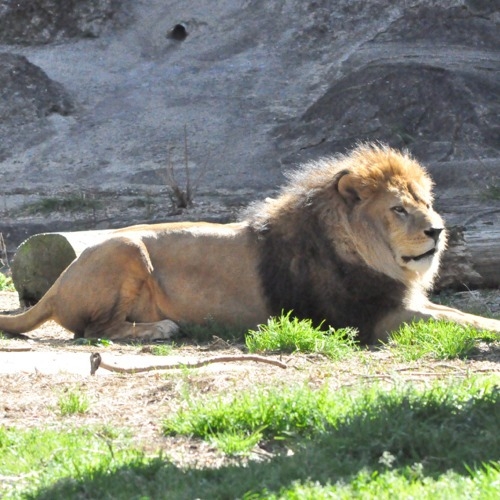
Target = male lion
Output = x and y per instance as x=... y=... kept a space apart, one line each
x=349 y=241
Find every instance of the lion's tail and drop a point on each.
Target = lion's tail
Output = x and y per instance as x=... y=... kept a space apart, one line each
x=28 y=320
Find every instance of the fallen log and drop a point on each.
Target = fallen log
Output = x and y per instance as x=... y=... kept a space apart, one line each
x=41 y=259
x=472 y=259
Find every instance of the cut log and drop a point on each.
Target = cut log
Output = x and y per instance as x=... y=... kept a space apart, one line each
x=484 y=246
x=41 y=259
x=472 y=259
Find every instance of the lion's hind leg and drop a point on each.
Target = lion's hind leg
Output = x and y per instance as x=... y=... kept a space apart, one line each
x=130 y=331
x=110 y=292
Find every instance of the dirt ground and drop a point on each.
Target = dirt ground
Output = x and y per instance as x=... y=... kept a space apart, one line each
x=33 y=380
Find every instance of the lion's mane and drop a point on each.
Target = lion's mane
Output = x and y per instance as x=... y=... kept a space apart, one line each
x=313 y=262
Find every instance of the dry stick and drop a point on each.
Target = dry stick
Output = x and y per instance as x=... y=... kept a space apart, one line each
x=189 y=196
x=4 y=256
x=14 y=349
x=96 y=362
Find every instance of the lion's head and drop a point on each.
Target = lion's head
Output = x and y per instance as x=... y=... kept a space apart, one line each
x=388 y=210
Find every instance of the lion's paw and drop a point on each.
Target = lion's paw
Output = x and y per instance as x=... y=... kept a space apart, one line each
x=164 y=330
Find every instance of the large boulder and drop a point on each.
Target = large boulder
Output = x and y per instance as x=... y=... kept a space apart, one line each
x=437 y=113
x=27 y=93
x=27 y=97
x=428 y=81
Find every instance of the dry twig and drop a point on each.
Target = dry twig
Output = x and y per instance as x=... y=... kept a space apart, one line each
x=96 y=362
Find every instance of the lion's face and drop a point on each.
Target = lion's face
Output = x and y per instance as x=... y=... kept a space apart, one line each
x=393 y=225
x=413 y=231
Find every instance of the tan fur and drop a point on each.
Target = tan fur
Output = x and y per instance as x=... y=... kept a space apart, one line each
x=369 y=212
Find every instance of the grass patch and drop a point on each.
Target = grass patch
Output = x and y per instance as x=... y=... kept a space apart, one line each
x=73 y=203
x=289 y=334
x=492 y=192
x=408 y=424
x=34 y=460
x=6 y=284
x=73 y=402
x=265 y=413
x=436 y=340
x=364 y=442
x=409 y=483
x=93 y=342
x=162 y=349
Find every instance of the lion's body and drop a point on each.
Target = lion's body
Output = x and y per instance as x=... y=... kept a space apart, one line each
x=351 y=241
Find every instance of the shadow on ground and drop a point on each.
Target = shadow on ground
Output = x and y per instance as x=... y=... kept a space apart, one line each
x=415 y=438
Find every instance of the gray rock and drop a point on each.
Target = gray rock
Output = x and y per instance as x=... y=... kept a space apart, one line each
x=28 y=22
x=27 y=93
x=436 y=113
x=27 y=98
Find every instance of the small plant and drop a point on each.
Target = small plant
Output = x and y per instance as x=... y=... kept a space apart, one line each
x=162 y=349
x=94 y=342
x=73 y=402
x=233 y=443
x=6 y=284
x=435 y=339
x=288 y=334
x=182 y=196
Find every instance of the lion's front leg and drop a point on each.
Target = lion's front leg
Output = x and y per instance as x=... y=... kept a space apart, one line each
x=160 y=330
x=439 y=311
x=426 y=311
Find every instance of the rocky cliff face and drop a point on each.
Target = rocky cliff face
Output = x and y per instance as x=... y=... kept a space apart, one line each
x=96 y=95
x=428 y=82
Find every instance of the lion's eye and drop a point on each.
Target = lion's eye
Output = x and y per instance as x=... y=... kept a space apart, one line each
x=399 y=210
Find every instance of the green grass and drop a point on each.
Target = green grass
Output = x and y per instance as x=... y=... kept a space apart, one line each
x=162 y=349
x=492 y=192
x=364 y=442
x=436 y=340
x=272 y=413
x=33 y=461
x=93 y=342
x=6 y=284
x=409 y=484
x=368 y=440
x=412 y=421
x=72 y=203
x=72 y=402
x=288 y=334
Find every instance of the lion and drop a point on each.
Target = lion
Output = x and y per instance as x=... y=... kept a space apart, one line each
x=349 y=241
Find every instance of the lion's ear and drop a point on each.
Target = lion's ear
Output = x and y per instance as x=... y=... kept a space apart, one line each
x=348 y=188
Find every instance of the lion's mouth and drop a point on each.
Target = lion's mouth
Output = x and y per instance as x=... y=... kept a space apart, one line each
x=416 y=258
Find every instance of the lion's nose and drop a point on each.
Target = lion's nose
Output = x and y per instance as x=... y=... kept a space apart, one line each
x=434 y=233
